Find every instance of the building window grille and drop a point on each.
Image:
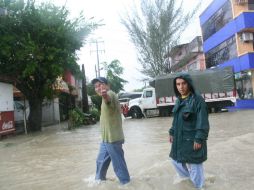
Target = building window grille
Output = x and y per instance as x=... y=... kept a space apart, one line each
x=221 y=53
x=217 y=21
x=239 y=2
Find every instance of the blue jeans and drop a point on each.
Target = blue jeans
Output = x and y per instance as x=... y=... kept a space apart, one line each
x=114 y=152
x=193 y=171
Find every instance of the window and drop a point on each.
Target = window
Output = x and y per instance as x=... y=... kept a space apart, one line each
x=217 y=21
x=221 y=53
x=18 y=105
x=148 y=94
x=133 y=96
x=129 y=95
x=251 y=4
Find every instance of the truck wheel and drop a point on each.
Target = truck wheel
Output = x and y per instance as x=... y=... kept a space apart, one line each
x=136 y=113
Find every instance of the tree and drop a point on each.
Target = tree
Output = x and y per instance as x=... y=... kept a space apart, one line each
x=114 y=70
x=154 y=30
x=37 y=44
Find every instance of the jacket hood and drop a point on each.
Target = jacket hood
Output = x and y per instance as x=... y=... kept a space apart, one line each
x=188 y=79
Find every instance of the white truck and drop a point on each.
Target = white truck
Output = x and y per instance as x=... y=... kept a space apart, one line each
x=215 y=85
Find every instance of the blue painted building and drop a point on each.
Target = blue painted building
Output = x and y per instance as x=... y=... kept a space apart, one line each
x=228 y=33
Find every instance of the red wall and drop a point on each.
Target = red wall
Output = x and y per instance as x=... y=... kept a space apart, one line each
x=6 y=122
x=69 y=78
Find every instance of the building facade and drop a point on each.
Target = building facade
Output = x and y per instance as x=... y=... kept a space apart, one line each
x=227 y=31
x=56 y=109
x=187 y=57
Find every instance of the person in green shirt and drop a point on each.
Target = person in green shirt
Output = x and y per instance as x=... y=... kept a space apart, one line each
x=112 y=134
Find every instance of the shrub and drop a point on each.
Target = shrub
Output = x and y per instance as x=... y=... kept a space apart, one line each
x=95 y=114
x=77 y=118
x=96 y=99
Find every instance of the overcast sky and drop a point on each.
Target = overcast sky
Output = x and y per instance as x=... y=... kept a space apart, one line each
x=116 y=43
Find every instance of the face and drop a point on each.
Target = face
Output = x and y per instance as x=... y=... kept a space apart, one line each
x=182 y=87
x=100 y=87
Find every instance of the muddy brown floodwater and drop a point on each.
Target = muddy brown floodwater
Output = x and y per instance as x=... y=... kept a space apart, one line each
x=58 y=159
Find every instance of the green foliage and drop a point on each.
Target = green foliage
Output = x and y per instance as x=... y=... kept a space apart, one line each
x=96 y=99
x=95 y=114
x=114 y=70
x=38 y=43
x=77 y=118
x=154 y=30
x=90 y=89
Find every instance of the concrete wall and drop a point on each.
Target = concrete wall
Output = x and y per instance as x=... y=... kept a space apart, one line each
x=243 y=47
x=238 y=8
x=50 y=112
x=6 y=97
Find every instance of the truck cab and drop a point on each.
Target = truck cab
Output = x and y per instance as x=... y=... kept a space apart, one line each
x=145 y=106
x=148 y=99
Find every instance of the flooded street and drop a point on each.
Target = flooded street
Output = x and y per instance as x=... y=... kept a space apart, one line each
x=58 y=159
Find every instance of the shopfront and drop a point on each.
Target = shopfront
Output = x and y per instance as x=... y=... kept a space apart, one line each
x=244 y=84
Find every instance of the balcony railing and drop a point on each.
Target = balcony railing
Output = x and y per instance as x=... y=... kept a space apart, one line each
x=241 y=1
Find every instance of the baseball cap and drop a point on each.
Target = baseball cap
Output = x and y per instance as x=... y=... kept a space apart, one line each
x=100 y=79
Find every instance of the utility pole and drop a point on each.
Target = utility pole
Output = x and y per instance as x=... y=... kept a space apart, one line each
x=95 y=71
x=97 y=68
x=85 y=106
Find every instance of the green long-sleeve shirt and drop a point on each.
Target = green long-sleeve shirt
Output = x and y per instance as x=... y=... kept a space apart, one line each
x=111 y=120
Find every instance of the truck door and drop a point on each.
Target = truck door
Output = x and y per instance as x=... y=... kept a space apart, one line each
x=149 y=100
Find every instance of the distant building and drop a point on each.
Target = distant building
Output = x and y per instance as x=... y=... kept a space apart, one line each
x=227 y=28
x=187 y=57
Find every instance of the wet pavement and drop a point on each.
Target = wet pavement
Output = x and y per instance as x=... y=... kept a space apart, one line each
x=59 y=159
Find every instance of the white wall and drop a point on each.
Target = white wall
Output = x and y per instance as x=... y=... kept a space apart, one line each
x=50 y=111
x=6 y=97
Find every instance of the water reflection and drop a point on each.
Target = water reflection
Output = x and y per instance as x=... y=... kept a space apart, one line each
x=59 y=159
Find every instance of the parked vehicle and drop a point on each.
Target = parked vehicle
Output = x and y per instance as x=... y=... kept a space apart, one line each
x=124 y=99
x=125 y=96
x=19 y=112
x=215 y=85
